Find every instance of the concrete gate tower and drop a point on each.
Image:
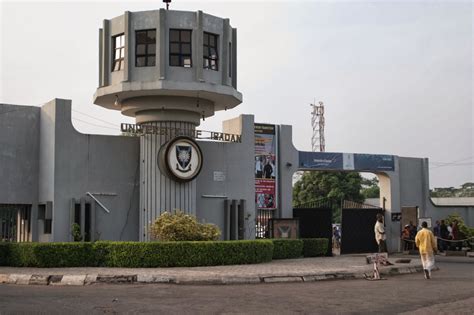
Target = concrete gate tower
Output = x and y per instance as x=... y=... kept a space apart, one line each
x=168 y=69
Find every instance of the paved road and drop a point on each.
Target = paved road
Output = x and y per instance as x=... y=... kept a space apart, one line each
x=450 y=291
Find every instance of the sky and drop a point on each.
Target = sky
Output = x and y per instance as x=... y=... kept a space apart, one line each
x=395 y=77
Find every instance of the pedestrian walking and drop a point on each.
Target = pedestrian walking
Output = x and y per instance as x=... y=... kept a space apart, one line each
x=380 y=236
x=426 y=243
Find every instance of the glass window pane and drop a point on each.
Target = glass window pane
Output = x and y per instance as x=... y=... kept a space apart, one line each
x=213 y=53
x=206 y=64
x=212 y=41
x=141 y=37
x=174 y=36
x=117 y=54
x=206 y=39
x=186 y=49
x=122 y=40
x=122 y=52
x=151 y=49
x=186 y=61
x=116 y=65
x=141 y=61
x=141 y=49
x=117 y=41
x=186 y=36
x=205 y=52
x=174 y=48
x=174 y=60
x=121 y=64
x=151 y=61
x=151 y=36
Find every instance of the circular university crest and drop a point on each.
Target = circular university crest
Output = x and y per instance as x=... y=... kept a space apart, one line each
x=181 y=159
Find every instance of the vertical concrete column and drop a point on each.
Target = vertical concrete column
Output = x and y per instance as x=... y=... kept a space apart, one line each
x=163 y=43
x=159 y=193
x=197 y=50
x=234 y=58
x=83 y=218
x=226 y=233
x=128 y=46
x=34 y=222
x=71 y=219
x=224 y=54
x=101 y=57
x=105 y=53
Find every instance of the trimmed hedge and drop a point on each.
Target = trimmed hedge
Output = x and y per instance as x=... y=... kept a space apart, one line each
x=314 y=247
x=157 y=254
x=135 y=254
x=287 y=248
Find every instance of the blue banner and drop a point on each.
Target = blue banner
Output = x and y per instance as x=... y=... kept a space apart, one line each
x=345 y=161
x=320 y=160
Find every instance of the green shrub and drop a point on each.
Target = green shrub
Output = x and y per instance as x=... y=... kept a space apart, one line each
x=314 y=247
x=465 y=231
x=76 y=232
x=182 y=227
x=136 y=254
x=287 y=248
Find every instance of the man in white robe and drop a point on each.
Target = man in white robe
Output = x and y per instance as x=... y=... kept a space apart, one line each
x=426 y=243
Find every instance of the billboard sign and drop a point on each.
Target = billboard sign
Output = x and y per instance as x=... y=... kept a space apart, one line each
x=265 y=166
x=346 y=161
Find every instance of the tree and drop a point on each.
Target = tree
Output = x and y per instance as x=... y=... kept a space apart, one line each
x=370 y=187
x=335 y=186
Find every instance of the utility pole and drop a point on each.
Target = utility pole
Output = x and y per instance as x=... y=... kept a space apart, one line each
x=318 y=142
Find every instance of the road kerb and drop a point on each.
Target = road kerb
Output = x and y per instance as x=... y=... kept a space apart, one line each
x=39 y=279
x=282 y=279
x=19 y=279
x=73 y=280
x=240 y=280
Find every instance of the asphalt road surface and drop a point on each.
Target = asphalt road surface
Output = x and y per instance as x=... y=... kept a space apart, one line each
x=451 y=291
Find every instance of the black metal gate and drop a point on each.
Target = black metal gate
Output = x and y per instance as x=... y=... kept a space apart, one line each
x=357 y=225
x=315 y=221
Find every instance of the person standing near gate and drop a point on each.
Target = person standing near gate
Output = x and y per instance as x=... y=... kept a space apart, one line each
x=426 y=243
x=380 y=236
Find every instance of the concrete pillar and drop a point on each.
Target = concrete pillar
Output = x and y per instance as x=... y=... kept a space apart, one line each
x=159 y=193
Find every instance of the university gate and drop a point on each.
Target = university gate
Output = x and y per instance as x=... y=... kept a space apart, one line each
x=357 y=225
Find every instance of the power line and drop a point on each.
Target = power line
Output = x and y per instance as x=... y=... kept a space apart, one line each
x=101 y=120
x=454 y=163
x=92 y=124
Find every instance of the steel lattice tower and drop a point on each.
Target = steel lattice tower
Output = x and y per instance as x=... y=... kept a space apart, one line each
x=317 y=122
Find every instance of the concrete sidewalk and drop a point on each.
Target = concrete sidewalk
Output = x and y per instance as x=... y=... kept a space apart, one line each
x=290 y=270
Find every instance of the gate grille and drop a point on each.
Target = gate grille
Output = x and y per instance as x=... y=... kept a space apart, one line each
x=262 y=226
x=8 y=219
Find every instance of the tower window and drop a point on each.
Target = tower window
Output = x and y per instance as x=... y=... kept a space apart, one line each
x=211 y=57
x=180 y=48
x=119 y=52
x=145 y=48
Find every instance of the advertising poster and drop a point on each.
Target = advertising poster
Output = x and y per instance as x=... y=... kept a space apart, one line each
x=346 y=161
x=265 y=166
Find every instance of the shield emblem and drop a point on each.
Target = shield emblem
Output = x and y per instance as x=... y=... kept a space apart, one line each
x=183 y=155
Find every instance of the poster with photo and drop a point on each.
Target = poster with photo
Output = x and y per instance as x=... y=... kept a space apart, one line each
x=265 y=166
